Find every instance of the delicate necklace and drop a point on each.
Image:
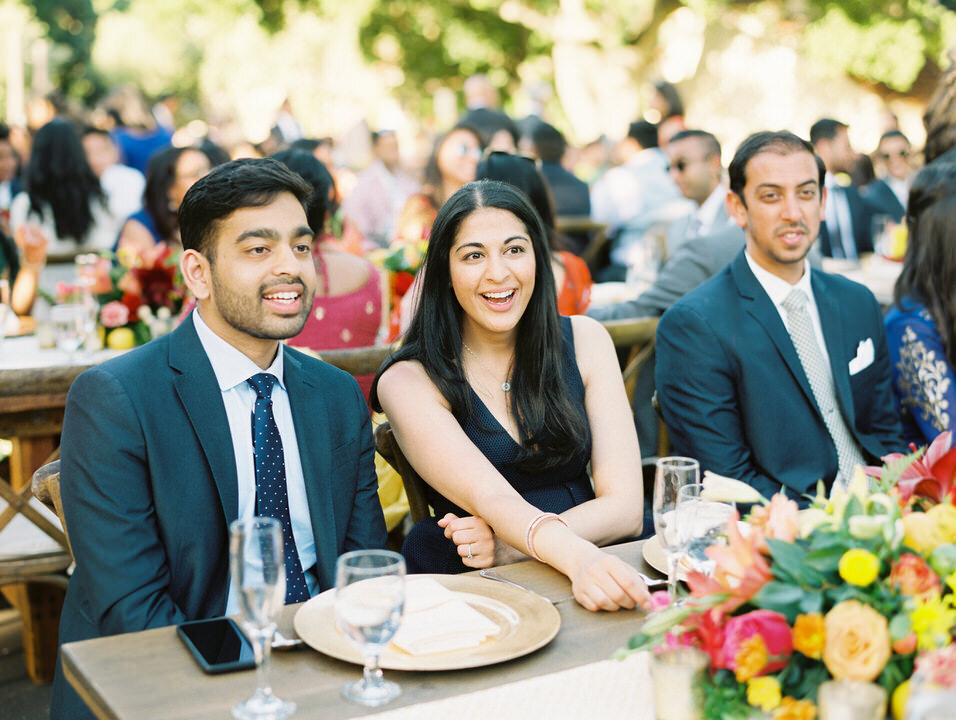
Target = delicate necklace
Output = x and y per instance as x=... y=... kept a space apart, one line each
x=505 y=385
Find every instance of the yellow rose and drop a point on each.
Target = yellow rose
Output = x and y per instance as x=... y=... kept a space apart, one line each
x=857 y=643
x=944 y=515
x=763 y=693
x=859 y=567
x=808 y=635
x=921 y=532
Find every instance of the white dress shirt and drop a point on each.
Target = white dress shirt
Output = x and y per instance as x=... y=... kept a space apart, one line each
x=232 y=369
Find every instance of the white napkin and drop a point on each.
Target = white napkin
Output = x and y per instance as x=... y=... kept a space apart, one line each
x=437 y=620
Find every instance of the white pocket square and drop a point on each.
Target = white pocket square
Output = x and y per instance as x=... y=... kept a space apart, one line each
x=864 y=356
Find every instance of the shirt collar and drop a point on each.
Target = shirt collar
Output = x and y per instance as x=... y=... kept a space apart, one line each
x=778 y=288
x=231 y=366
x=707 y=212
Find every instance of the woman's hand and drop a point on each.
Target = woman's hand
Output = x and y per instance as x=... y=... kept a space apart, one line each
x=474 y=538
x=605 y=582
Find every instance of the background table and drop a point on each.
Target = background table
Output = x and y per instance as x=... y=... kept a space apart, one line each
x=150 y=674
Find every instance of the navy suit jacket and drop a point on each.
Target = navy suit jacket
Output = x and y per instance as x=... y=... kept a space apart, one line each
x=860 y=216
x=733 y=392
x=883 y=201
x=149 y=484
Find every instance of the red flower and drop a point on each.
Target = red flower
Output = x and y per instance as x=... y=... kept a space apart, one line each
x=401 y=281
x=776 y=648
x=931 y=476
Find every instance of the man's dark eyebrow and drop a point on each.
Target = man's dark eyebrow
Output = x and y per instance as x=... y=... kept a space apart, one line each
x=270 y=234
x=775 y=186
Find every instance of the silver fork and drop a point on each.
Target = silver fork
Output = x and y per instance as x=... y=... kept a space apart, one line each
x=492 y=575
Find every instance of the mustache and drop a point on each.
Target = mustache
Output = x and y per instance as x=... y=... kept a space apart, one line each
x=794 y=226
x=297 y=281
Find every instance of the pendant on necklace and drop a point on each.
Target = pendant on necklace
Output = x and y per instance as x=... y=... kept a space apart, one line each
x=506 y=386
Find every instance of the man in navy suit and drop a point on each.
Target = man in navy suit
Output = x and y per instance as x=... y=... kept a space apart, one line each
x=846 y=232
x=157 y=445
x=733 y=382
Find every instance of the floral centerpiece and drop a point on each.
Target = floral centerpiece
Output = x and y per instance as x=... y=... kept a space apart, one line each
x=402 y=260
x=138 y=297
x=860 y=586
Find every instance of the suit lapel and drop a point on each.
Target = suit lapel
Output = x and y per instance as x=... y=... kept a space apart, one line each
x=200 y=395
x=764 y=312
x=835 y=336
x=311 y=417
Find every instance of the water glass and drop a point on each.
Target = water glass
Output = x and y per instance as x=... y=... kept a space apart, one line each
x=69 y=326
x=258 y=571
x=700 y=524
x=672 y=473
x=369 y=599
x=851 y=700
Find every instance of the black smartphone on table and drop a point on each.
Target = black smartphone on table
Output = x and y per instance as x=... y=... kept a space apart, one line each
x=218 y=645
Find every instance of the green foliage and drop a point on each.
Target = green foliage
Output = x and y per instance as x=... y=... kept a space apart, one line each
x=725 y=698
x=71 y=24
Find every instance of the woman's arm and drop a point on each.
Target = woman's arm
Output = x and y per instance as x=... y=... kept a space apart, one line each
x=445 y=457
x=617 y=512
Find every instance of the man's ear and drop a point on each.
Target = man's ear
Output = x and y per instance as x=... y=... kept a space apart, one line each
x=196 y=274
x=736 y=209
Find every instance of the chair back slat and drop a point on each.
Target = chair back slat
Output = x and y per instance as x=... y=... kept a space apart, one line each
x=46 y=488
x=388 y=448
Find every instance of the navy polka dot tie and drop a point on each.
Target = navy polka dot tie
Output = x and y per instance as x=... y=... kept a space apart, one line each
x=272 y=497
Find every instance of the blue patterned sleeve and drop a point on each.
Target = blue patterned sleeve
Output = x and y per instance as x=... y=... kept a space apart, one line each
x=923 y=378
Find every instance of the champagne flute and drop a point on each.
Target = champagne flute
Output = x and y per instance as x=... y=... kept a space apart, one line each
x=369 y=598
x=671 y=475
x=258 y=571
x=700 y=524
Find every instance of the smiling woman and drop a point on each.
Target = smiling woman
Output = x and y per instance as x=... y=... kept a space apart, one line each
x=500 y=404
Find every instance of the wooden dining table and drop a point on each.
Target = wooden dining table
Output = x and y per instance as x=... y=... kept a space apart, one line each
x=151 y=675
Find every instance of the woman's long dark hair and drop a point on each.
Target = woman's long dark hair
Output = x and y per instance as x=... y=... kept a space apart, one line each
x=552 y=427
x=524 y=175
x=160 y=176
x=58 y=176
x=432 y=174
x=929 y=267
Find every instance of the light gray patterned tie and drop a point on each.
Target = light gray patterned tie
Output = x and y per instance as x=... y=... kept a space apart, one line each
x=821 y=381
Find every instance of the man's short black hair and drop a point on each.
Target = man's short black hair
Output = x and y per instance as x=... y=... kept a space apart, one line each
x=825 y=129
x=782 y=142
x=889 y=134
x=548 y=142
x=710 y=141
x=94 y=130
x=249 y=182
x=644 y=132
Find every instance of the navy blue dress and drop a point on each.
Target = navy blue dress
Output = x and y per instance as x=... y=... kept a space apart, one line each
x=426 y=549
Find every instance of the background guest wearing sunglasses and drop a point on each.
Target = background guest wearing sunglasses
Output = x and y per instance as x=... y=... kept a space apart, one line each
x=888 y=194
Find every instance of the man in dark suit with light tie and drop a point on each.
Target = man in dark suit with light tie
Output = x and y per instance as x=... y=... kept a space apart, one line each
x=158 y=450
x=771 y=372
x=846 y=232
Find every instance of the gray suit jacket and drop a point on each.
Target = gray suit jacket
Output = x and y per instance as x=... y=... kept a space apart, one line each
x=149 y=483
x=694 y=262
x=677 y=232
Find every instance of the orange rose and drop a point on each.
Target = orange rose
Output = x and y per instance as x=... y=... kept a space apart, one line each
x=857 y=642
x=790 y=709
x=751 y=658
x=808 y=635
x=914 y=577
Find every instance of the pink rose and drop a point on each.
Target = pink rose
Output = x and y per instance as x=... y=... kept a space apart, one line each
x=660 y=600
x=114 y=314
x=739 y=635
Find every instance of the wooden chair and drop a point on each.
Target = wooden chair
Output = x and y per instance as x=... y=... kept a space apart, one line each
x=34 y=557
x=634 y=339
x=388 y=448
x=355 y=361
x=597 y=232
x=46 y=489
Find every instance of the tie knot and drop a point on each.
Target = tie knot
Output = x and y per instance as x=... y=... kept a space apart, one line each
x=795 y=301
x=262 y=383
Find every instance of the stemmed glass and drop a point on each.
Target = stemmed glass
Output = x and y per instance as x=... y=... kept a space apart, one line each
x=700 y=524
x=369 y=598
x=258 y=571
x=671 y=475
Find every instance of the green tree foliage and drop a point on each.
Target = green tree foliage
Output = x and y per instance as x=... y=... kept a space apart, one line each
x=71 y=26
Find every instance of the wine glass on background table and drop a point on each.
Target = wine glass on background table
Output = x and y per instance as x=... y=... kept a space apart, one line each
x=671 y=475
x=700 y=524
x=369 y=598
x=258 y=571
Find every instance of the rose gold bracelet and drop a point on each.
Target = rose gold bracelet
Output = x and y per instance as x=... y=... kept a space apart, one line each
x=529 y=537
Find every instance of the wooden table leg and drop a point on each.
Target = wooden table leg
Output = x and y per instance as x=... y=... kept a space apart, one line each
x=39 y=604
